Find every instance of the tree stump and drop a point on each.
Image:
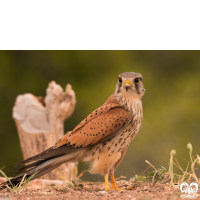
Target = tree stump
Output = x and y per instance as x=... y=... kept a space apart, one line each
x=40 y=124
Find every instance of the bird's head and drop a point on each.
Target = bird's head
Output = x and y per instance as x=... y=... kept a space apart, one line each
x=129 y=85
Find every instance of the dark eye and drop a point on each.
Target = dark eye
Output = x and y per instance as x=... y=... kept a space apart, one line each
x=136 y=80
x=120 y=80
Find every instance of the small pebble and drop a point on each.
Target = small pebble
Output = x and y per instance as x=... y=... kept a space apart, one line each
x=129 y=196
x=102 y=192
x=145 y=188
x=176 y=186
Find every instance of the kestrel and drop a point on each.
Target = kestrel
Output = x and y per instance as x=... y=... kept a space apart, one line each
x=101 y=139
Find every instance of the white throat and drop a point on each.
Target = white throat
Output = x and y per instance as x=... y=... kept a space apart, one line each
x=133 y=105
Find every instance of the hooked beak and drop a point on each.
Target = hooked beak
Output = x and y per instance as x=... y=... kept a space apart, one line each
x=127 y=85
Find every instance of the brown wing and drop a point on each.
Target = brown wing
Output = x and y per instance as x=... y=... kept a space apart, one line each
x=102 y=123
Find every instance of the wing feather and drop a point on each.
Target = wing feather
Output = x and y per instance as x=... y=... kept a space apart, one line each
x=108 y=120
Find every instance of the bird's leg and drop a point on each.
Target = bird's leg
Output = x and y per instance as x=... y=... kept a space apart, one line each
x=106 y=182
x=113 y=180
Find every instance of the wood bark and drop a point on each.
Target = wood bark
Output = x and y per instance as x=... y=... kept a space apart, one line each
x=40 y=124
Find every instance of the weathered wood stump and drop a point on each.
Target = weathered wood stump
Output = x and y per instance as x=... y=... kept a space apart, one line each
x=40 y=124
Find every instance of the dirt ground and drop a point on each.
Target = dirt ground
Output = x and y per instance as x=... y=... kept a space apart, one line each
x=133 y=191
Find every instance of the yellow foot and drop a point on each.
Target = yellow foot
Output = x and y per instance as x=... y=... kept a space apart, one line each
x=114 y=186
x=113 y=183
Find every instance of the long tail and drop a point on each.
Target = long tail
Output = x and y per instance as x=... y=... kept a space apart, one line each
x=42 y=168
x=43 y=163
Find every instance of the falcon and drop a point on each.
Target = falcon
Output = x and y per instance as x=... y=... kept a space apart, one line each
x=101 y=139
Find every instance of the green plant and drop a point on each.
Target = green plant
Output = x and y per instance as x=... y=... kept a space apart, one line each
x=75 y=183
x=137 y=178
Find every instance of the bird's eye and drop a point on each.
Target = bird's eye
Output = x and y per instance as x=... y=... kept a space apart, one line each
x=136 y=80
x=120 y=80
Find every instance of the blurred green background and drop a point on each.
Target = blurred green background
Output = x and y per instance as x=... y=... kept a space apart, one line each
x=171 y=102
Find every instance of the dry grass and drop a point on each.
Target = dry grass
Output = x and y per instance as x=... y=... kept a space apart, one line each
x=21 y=185
x=162 y=175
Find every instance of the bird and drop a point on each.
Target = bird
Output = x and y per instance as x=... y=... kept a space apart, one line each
x=101 y=139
